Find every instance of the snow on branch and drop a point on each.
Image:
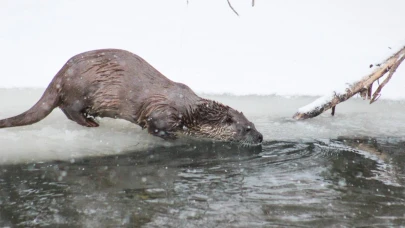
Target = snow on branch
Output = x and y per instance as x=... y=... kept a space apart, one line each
x=362 y=87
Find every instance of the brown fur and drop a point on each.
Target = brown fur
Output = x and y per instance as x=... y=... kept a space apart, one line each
x=118 y=84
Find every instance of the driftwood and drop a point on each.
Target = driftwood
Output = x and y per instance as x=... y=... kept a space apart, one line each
x=362 y=87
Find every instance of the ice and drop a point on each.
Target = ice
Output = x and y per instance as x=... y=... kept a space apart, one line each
x=58 y=138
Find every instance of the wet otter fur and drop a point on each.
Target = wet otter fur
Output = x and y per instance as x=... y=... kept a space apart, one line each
x=119 y=84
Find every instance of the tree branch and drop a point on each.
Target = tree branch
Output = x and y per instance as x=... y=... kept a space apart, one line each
x=392 y=71
x=363 y=87
x=230 y=5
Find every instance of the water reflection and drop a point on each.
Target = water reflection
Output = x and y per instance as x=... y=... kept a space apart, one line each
x=348 y=181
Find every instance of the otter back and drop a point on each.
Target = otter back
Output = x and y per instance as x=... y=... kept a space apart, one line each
x=119 y=84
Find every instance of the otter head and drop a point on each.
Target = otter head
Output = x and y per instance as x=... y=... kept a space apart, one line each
x=220 y=122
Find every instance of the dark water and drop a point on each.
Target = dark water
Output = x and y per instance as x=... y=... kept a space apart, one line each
x=323 y=183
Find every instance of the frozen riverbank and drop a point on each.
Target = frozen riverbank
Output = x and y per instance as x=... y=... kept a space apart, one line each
x=56 y=137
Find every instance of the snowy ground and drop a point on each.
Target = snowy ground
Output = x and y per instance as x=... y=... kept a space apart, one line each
x=56 y=137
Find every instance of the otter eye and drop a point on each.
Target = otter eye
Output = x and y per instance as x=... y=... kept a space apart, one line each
x=229 y=120
x=248 y=128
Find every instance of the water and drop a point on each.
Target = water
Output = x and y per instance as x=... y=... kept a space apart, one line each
x=346 y=170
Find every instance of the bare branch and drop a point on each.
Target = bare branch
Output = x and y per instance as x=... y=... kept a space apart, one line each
x=392 y=71
x=230 y=5
x=253 y=3
x=364 y=87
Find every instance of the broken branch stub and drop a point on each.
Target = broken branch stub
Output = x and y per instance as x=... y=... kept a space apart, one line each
x=363 y=87
x=386 y=80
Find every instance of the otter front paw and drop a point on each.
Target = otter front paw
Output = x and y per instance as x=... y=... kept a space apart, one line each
x=166 y=135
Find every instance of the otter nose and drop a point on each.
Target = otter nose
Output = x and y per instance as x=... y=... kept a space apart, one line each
x=260 y=137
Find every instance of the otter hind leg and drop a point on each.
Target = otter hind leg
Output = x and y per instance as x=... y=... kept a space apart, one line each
x=80 y=118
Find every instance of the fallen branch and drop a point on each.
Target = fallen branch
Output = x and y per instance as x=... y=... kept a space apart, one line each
x=362 y=87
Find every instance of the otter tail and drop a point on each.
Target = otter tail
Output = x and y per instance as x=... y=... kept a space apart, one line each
x=45 y=105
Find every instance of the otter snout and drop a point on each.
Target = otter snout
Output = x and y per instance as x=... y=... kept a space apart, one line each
x=257 y=137
x=253 y=137
x=260 y=137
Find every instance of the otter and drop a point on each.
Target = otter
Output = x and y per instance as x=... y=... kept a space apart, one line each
x=119 y=84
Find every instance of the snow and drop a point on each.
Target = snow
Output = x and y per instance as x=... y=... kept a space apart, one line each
x=316 y=103
x=400 y=56
x=278 y=52
x=58 y=138
x=273 y=48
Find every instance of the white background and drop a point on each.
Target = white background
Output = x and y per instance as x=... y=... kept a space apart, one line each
x=284 y=47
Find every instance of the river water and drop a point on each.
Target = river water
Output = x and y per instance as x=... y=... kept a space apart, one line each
x=346 y=170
